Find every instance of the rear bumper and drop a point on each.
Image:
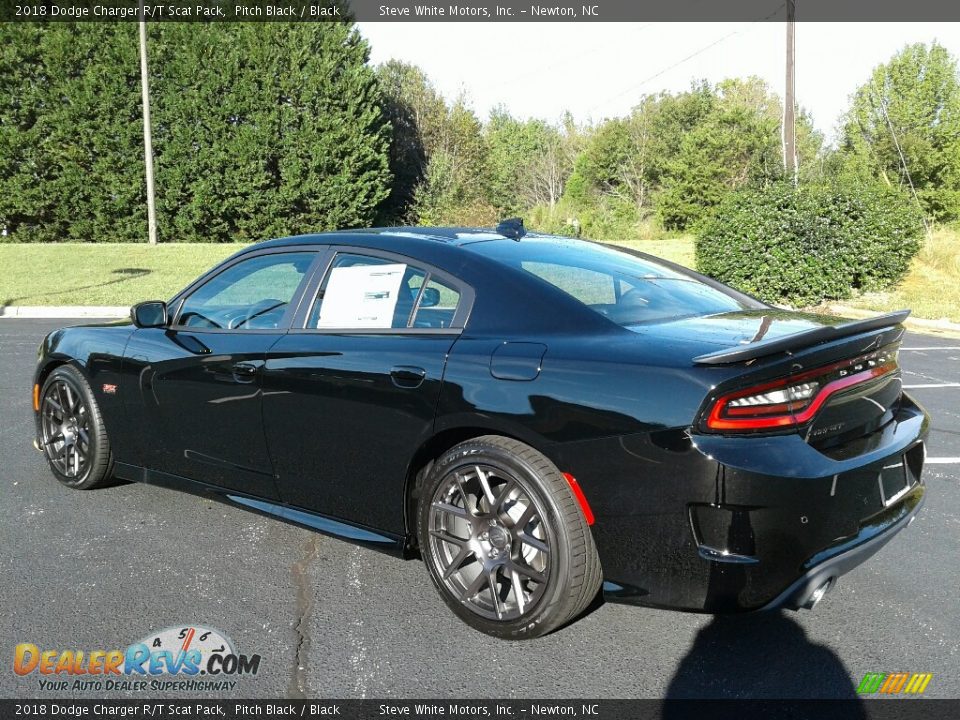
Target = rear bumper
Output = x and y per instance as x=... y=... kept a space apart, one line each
x=725 y=524
x=829 y=565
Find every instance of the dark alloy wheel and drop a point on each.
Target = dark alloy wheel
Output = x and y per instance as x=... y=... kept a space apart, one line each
x=72 y=435
x=505 y=540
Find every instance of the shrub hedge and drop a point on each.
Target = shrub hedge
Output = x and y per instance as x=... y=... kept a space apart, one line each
x=802 y=245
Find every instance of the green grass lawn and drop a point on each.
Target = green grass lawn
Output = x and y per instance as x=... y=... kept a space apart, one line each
x=125 y=273
x=931 y=289
x=122 y=274
x=678 y=250
x=101 y=273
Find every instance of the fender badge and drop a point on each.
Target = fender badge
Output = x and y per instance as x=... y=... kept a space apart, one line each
x=109 y=389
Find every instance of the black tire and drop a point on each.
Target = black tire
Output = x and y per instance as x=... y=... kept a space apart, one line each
x=79 y=454
x=544 y=557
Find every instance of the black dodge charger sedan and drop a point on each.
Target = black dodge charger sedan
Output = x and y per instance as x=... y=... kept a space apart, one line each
x=536 y=417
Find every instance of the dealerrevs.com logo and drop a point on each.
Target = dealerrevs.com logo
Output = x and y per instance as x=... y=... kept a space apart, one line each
x=187 y=658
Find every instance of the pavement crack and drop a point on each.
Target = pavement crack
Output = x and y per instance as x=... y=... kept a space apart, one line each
x=359 y=659
x=297 y=688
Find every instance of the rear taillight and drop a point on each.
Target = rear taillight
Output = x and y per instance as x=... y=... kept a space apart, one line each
x=795 y=400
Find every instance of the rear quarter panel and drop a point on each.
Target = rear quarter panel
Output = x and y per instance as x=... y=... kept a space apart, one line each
x=618 y=414
x=617 y=417
x=589 y=386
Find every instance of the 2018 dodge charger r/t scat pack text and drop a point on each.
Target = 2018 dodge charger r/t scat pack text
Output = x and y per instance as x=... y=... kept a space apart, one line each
x=536 y=417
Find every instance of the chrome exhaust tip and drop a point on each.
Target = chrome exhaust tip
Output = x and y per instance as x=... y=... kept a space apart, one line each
x=817 y=595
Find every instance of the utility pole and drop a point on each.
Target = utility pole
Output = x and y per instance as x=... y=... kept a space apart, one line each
x=147 y=135
x=790 y=103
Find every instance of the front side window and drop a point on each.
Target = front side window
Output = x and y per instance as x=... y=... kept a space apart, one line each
x=362 y=291
x=251 y=295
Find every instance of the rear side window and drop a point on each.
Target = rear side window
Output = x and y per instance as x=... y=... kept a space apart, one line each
x=624 y=288
x=362 y=291
x=437 y=305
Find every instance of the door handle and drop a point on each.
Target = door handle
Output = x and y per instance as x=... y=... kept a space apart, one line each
x=407 y=376
x=244 y=372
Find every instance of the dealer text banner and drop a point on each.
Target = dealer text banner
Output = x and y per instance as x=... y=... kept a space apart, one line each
x=484 y=709
x=472 y=11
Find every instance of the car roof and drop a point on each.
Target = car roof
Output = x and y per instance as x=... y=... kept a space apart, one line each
x=459 y=252
x=474 y=256
x=455 y=236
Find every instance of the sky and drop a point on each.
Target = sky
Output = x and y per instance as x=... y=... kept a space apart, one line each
x=599 y=70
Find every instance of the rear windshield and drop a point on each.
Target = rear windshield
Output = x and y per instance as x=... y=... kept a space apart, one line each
x=625 y=288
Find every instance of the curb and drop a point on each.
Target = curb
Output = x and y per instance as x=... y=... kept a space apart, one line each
x=63 y=311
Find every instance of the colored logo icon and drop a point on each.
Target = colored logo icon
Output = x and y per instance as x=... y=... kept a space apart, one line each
x=894 y=683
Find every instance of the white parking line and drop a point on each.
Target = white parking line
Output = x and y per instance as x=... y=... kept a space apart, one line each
x=938 y=347
x=933 y=385
x=942 y=461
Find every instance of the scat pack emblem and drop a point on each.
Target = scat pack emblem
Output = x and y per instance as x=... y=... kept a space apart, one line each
x=188 y=657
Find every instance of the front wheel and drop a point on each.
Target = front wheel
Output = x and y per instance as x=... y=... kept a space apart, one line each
x=505 y=540
x=72 y=434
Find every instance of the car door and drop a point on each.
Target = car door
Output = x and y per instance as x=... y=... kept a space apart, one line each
x=200 y=378
x=351 y=391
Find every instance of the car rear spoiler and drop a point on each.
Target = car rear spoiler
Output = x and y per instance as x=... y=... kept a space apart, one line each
x=800 y=340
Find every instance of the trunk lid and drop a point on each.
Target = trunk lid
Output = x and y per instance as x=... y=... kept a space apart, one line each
x=848 y=368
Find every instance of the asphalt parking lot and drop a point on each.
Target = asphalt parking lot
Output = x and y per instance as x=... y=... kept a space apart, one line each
x=102 y=569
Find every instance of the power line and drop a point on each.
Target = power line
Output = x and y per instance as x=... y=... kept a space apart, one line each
x=903 y=159
x=689 y=57
x=680 y=62
x=551 y=66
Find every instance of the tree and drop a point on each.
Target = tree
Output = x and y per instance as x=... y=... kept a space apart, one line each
x=910 y=106
x=735 y=144
x=71 y=149
x=679 y=155
x=259 y=130
x=416 y=112
x=530 y=161
x=617 y=159
x=628 y=158
x=549 y=168
x=455 y=188
x=266 y=129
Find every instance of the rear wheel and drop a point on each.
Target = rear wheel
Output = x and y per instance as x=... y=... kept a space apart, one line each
x=504 y=539
x=72 y=434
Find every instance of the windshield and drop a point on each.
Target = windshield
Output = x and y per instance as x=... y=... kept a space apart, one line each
x=627 y=289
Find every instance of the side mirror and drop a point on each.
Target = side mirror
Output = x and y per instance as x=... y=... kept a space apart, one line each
x=430 y=297
x=150 y=314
